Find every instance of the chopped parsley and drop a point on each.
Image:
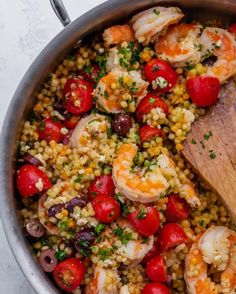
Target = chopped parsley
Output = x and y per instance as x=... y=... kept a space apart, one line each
x=84 y=252
x=156 y=12
x=125 y=209
x=102 y=61
x=99 y=228
x=106 y=94
x=60 y=255
x=202 y=223
x=155 y=68
x=105 y=253
x=123 y=236
x=142 y=213
x=109 y=132
x=78 y=179
x=88 y=70
x=62 y=225
x=161 y=82
x=189 y=66
x=152 y=100
x=193 y=142
x=198 y=46
x=208 y=135
x=212 y=154
x=133 y=89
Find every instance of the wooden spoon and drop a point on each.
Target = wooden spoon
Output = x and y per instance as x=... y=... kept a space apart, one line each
x=210 y=147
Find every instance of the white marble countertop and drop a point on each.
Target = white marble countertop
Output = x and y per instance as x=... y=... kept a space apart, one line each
x=26 y=26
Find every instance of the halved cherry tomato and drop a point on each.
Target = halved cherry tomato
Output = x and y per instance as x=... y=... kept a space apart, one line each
x=232 y=28
x=31 y=180
x=69 y=273
x=146 y=221
x=106 y=208
x=149 y=102
x=177 y=208
x=101 y=185
x=155 y=251
x=146 y=133
x=156 y=269
x=155 y=288
x=91 y=74
x=50 y=129
x=171 y=235
x=203 y=91
x=71 y=121
x=161 y=75
x=78 y=96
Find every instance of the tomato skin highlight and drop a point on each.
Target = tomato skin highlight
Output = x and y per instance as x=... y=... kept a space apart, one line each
x=79 y=91
x=155 y=251
x=232 y=28
x=177 y=208
x=203 y=91
x=27 y=179
x=171 y=235
x=160 y=69
x=149 y=102
x=146 y=133
x=155 y=288
x=106 y=208
x=50 y=130
x=156 y=269
x=101 y=185
x=69 y=273
x=147 y=224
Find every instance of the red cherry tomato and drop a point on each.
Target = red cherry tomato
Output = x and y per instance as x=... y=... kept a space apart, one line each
x=71 y=121
x=161 y=75
x=91 y=74
x=177 y=208
x=156 y=269
x=155 y=251
x=101 y=185
x=69 y=273
x=106 y=208
x=171 y=235
x=50 y=129
x=146 y=221
x=203 y=91
x=232 y=28
x=149 y=102
x=31 y=180
x=155 y=288
x=78 y=96
x=146 y=133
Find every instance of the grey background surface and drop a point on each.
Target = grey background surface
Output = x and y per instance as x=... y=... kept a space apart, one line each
x=26 y=26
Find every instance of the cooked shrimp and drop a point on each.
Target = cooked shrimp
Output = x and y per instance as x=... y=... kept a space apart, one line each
x=105 y=281
x=124 y=290
x=118 y=87
x=142 y=186
x=180 y=45
x=118 y=34
x=149 y=24
x=189 y=193
x=220 y=43
x=216 y=246
x=88 y=129
x=44 y=218
x=113 y=60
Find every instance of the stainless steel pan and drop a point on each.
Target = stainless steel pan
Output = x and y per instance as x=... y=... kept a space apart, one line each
x=98 y=18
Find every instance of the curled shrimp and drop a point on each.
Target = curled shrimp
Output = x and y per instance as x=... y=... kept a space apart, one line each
x=120 y=86
x=118 y=34
x=140 y=185
x=104 y=281
x=149 y=24
x=216 y=246
x=222 y=45
x=180 y=45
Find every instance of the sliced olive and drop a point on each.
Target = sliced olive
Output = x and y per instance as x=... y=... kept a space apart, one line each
x=121 y=124
x=32 y=160
x=84 y=239
x=48 y=260
x=77 y=201
x=35 y=228
x=57 y=208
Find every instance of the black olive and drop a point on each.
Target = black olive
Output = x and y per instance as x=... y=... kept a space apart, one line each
x=209 y=61
x=77 y=201
x=35 y=228
x=121 y=124
x=57 y=208
x=84 y=239
x=48 y=260
x=32 y=160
